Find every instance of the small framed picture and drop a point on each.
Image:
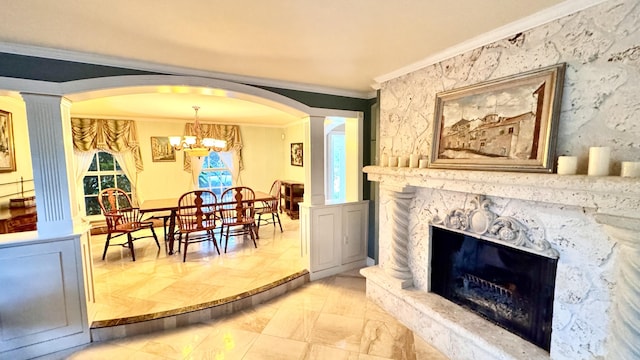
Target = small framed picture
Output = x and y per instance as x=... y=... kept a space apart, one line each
x=7 y=153
x=296 y=154
x=161 y=149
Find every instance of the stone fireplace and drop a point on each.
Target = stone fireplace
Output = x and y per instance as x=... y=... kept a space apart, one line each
x=588 y=225
x=592 y=222
x=508 y=286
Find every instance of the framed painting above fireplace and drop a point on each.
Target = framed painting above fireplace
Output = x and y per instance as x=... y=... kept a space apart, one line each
x=507 y=124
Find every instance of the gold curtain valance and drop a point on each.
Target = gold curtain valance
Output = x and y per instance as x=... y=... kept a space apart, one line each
x=228 y=133
x=106 y=134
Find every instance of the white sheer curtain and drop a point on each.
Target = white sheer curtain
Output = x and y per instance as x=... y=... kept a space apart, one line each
x=128 y=164
x=82 y=163
x=232 y=161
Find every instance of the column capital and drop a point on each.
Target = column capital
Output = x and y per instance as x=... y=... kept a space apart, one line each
x=621 y=222
x=398 y=188
x=621 y=228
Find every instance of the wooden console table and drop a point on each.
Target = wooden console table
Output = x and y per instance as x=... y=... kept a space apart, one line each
x=18 y=219
x=292 y=193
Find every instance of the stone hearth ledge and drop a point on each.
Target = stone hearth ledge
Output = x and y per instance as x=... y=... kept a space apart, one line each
x=612 y=195
x=446 y=325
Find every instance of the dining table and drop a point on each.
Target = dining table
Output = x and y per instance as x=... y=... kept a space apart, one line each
x=171 y=205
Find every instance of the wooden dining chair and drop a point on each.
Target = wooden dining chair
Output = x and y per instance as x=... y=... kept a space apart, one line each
x=270 y=207
x=122 y=219
x=237 y=212
x=196 y=217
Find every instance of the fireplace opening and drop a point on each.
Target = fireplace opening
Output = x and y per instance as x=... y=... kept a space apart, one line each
x=509 y=287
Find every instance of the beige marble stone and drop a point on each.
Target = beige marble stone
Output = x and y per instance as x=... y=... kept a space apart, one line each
x=301 y=324
x=292 y=323
x=322 y=352
x=267 y=347
x=224 y=342
x=338 y=331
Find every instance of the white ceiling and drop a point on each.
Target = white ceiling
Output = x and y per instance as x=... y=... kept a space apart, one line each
x=341 y=46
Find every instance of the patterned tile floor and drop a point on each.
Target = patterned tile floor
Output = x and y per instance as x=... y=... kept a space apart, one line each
x=157 y=281
x=325 y=319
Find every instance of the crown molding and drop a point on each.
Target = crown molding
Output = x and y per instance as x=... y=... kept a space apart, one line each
x=542 y=17
x=96 y=59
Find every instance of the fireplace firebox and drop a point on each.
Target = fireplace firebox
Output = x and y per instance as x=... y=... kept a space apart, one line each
x=509 y=287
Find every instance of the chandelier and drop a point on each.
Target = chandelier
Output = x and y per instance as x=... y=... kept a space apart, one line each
x=196 y=145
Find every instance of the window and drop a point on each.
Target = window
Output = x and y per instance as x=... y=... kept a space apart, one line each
x=104 y=172
x=215 y=175
x=337 y=167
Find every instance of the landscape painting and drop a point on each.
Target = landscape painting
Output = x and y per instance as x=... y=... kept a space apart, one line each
x=506 y=124
x=161 y=149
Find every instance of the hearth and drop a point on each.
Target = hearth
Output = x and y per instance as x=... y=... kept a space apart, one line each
x=507 y=286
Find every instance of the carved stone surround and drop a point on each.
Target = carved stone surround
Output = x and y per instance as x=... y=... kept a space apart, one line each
x=600 y=322
x=481 y=222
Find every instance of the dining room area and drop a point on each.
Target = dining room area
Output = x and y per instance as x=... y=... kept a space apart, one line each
x=158 y=282
x=165 y=280
x=155 y=274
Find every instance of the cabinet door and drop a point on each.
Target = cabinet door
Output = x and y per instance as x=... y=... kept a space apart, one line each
x=354 y=222
x=326 y=224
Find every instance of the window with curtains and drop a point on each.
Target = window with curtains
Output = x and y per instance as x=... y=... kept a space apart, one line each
x=215 y=175
x=104 y=172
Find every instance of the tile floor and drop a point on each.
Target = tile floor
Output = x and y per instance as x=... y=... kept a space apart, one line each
x=325 y=319
x=158 y=282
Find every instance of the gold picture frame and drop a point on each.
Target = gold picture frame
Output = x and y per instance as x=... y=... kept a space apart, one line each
x=7 y=151
x=161 y=149
x=507 y=124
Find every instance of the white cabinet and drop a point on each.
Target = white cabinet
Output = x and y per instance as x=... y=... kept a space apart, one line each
x=334 y=237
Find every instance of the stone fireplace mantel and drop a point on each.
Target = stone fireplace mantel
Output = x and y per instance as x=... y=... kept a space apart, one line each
x=589 y=260
x=612 y=195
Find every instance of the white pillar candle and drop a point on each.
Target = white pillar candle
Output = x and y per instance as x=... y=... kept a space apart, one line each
x=384 y=160
x=599 y=161
x=413 y=160
x=422 y=163
x=630 y=169
x=567 y=165
x=403 y=161
x=393 y=161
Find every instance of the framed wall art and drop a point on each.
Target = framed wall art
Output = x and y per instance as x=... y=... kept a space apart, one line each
x=7 y=152
x=161 y=149
x=508 y=124
x=296 y=154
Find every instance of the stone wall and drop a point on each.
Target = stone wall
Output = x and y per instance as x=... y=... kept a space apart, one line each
x=600 y=106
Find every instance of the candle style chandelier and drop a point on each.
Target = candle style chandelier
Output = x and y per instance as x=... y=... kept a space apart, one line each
x=196 y=145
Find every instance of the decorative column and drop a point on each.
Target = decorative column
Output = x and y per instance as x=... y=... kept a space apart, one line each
x=625 y=328
x=398 y=267
x=48 y=120
x=313 y=157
